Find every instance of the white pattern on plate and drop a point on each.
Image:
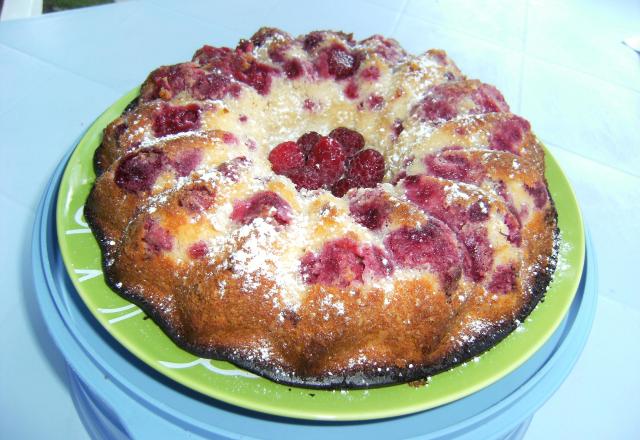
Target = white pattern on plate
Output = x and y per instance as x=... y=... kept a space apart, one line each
x=117 y=309
x=207 y=364
x=87 y=274
x=78 y=218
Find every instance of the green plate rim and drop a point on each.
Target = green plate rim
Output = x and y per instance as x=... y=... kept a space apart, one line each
x=340 y=405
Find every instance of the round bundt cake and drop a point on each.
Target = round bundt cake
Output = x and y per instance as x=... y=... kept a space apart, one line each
x=324 y=212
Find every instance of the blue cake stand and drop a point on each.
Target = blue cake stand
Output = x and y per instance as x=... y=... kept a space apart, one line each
x=119 y=397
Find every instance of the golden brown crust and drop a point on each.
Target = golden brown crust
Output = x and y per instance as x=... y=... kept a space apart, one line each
x=110 y=207
x=224 y=287
x=122 y=136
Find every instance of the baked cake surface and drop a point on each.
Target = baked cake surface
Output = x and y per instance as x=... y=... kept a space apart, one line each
x=324 y=212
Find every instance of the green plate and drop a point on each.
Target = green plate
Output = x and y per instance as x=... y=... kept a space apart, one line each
x=223 y=381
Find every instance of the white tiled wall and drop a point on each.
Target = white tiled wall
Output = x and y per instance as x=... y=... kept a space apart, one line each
x=586 y=36
x=500 y=22
x=584 y=114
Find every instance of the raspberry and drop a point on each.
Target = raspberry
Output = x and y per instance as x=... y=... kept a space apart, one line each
x=396 y=128
x=286 y=158
x=432 y=244
x=328 y=158
x=307 y=177
x=503 y=280
x=375 y=102
x=376 y=261
x=371 y=73
x=213 y=56
x=197 y=199
x=437 y=108
x=321 y=65
x=258 y=76
x=387 y=48
x=266 y=33
x=453 y=166
x=198 y=250
x=176 y=119
x=539 y=194
x=168 y=81
x=307 y=141
x=480 y=253
x=262 y=204
x=428 y=193
x=186 y=161
x=316 y=161
x=351 y=90
x=445 y=101
x=231 y=169
x=478 y=212
x=508 y=135
x=156 y=237
x=341 y=187
x=342 y=63
x=339 y=263
x=293 y=69
x=342 y=262
x=229 y=138
x=309 y=105
x=489 y=99
x=515 y=235
x=370 y=210
x=351 y=140
x=210 y=86
x=278 y=52
x=423 y=191
x=245 y=46
x=367 y=168
x=139 y=170
x=311 y=40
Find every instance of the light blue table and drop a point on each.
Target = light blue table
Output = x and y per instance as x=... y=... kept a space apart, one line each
x=560 y=64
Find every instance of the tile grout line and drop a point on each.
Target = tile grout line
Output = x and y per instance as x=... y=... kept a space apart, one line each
x=522 y=55
x=582 y=72
x=629 y=307
x=525 y=26
x=173 y=10
x=398 y=18
x=9 y=104
x=9 y=198
x=526 y=55
x=58 y=67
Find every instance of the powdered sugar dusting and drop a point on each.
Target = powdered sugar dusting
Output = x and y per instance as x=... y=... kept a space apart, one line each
x=256 y=256
x=379 y=92
x=151 y=141
x=562 y=264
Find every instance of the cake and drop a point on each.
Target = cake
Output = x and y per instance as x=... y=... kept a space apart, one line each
x=324 y=212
